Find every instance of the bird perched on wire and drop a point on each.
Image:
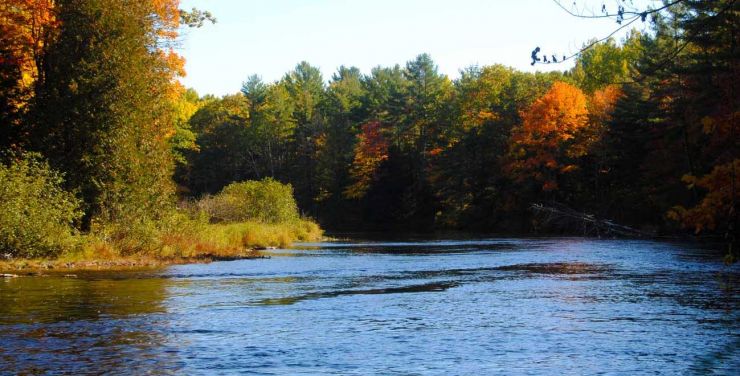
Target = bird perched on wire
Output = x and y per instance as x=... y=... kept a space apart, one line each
x=535 y=59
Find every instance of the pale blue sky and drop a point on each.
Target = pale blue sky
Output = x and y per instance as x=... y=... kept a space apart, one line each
x=269 y=37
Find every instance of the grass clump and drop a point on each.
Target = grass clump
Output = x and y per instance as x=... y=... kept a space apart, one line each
x=36 y=214
x=234 y=239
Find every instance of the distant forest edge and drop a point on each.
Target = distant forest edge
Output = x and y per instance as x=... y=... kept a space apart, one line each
x=640 y=132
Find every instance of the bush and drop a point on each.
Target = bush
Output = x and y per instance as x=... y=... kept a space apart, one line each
x=265 y=201
x=36 y=214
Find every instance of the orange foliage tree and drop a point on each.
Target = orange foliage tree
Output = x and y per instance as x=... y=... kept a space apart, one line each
x=601 y=104
x=718 y=207
x=25 y=28
x=371 y=150
x=554 y=132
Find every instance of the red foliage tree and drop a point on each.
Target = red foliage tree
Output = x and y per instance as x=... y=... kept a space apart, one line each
x=371 y=150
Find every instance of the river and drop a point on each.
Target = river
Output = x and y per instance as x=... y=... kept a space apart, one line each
x=458 y=307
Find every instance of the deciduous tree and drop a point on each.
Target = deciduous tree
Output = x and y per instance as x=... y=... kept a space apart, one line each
x=553 y=134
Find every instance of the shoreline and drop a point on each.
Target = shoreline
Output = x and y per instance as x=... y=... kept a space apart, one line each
x=39 y=267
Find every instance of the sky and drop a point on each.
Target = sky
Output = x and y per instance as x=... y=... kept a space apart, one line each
x=269 y=37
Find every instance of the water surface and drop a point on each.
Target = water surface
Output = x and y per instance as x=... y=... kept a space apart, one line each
x=494 y=306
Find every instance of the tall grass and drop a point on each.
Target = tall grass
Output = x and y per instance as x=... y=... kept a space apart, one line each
x=233 y=239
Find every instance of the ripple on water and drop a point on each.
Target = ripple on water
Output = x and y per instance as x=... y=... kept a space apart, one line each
x=506 y=306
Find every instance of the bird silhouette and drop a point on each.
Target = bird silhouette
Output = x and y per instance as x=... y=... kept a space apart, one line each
x=554 y=59
x=535 y=59
x=544 y=59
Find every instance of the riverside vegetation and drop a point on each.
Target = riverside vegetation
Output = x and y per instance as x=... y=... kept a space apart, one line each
x=37 y=221
x=107 y=155
x=89 y=133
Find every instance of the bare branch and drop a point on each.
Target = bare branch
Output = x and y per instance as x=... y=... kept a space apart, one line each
x=642 y=14
x=568 y=57
x=621 y=16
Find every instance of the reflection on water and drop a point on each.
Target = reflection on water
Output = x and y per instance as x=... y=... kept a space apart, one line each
x=79 y=324
x=546 y=306
x=85 y=297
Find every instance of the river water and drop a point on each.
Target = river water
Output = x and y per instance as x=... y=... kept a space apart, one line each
x=472 y=307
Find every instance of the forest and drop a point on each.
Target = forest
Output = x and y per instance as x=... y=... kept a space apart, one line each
x=94 y=122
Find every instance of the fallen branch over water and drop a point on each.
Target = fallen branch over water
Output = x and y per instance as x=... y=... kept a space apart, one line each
x=588 y=224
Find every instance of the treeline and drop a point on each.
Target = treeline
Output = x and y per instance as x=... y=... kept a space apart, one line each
x=642 y=133
x=90 y=112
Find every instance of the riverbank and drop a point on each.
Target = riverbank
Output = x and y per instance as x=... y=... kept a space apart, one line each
x=190 y=242
x=31 y=267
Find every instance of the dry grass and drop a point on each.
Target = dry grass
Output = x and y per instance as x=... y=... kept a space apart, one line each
x=177 y=241
x=234 y=239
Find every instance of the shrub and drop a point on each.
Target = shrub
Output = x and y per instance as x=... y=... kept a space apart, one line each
x=36 y=214
x=265 y=201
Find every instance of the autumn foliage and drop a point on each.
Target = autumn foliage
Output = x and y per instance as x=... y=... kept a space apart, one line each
x=553 y=133
x=25 y=28
x=601 y=104
x=717 y=204
x=92 y=86
x=720 y=185
x=371 y=150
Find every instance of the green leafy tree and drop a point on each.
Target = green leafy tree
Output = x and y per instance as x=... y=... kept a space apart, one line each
x=102 y=111
x=606 y=63
x=342 y=108
x=305 y=86
x=271 y=112
x=183 y=140
x=222 y=129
